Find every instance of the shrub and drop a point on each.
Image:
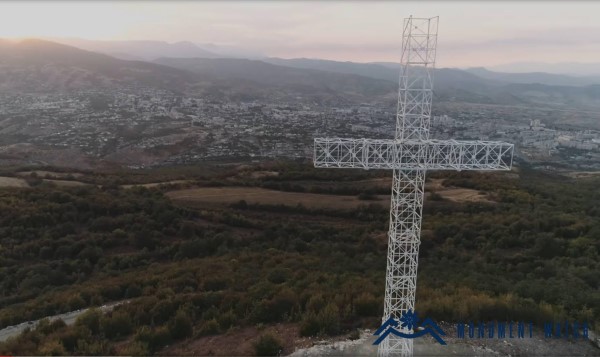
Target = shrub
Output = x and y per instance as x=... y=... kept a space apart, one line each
x=137 y=348
x=117 y=325
x=309 y=326
x=133 y=291
x=278 y=276
x=366 y=196
x=153 y=339
x=52 y=348
x=329 y=319
x=315 y=304
x=228 y=319
x=210 y=327
x=267 y=345
x=354 y=335
x=180 y=326
x=91 y=320
x=326 y=322
x=366 y=305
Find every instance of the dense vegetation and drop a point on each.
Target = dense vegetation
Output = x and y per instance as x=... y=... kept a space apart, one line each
x=187 y=271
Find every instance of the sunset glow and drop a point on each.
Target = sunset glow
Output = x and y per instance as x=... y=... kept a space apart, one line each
x=353 y=31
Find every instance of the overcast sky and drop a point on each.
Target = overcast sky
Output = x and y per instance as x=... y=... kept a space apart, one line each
x=470 y=33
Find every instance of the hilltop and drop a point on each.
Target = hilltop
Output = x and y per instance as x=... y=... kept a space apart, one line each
x=305 y=258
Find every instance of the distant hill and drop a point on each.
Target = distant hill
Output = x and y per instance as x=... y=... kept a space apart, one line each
x=586 y=97
x=37 y=65
x=568 y=68
x=228 y=51
x=450 y=84
x=151 y=50
x=535 y=77
x=312 y=82
x=445 y=78
x=140 y=50
x=476 y=85
x=363 y=69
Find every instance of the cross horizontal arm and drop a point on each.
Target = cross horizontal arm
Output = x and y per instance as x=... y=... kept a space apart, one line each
x=413 y=154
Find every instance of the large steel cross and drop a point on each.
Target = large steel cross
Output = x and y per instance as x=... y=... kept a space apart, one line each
x=409 y=155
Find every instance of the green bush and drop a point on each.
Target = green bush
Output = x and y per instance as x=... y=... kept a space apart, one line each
x=267 y=345
x=329 y=319
x=137 y=348
x=309 y=326
x=210 y=327
x=91 y=320
x=180 y=326
x=52 y=348
x=366 y=305
x=154 y=339
x=116 y=325
x=326 y=322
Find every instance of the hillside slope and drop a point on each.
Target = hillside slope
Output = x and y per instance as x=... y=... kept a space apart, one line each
x=36 y=65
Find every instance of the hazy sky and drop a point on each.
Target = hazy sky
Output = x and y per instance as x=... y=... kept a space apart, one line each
x=471 y=33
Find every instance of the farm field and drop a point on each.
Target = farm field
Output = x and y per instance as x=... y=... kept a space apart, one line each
x=50 y=174
x=255 y=195
x=12 y=182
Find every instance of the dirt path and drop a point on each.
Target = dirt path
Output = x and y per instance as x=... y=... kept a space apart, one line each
x=69 y=318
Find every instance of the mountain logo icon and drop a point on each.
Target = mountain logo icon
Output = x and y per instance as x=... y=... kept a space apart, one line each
x=406 y=324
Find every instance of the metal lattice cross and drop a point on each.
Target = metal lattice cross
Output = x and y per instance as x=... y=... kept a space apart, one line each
x=409 y=155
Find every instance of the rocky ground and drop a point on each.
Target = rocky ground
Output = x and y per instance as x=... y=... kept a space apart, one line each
x=427 y=346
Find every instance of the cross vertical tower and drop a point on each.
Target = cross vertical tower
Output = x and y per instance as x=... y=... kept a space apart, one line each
x=409 y=155
x=413 y=116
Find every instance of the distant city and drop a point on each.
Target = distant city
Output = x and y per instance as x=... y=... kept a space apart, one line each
x=156 y=127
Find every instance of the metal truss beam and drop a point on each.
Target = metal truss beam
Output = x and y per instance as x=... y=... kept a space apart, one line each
x=412 y=154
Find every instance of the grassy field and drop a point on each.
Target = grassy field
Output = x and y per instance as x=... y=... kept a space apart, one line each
x=255 y=195
x=156 y=184
x=66 y=183
x=457 y=194
x=12 y=182
x=583 y=174
x=50 y=174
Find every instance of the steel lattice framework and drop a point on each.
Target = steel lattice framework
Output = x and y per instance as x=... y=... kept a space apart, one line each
x=409 y=155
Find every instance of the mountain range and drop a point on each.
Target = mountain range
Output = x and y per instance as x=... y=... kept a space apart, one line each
x=44 y=66
x=151 y=50
x=304 y=81
x=580 y=69
x=536 y=77
x=38 y=65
